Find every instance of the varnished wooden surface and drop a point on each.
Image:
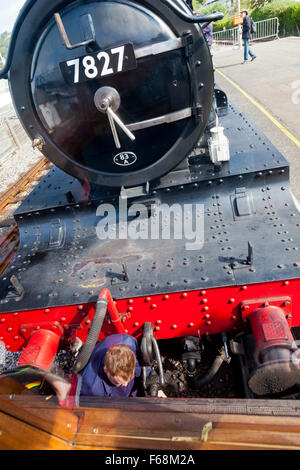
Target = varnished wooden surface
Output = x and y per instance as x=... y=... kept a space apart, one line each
x=29 y=422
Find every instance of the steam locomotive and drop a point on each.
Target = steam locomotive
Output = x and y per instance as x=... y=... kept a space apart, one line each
x=168 y=214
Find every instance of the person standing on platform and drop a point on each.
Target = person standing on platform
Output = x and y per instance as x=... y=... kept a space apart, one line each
x=246 y=32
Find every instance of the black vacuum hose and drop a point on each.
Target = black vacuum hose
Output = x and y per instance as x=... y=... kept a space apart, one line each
x=159 y=362
x=92 y=338
x=198 y=383
x=190 y=17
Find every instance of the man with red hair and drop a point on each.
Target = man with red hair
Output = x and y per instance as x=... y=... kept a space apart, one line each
x=113 y=370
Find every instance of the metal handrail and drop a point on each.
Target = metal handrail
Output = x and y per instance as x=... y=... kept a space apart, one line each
x=265 y=29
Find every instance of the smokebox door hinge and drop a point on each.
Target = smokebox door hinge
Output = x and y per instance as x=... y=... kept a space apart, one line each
x=188 y=43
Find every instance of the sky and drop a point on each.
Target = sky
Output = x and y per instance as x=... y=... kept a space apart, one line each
x=9 y=12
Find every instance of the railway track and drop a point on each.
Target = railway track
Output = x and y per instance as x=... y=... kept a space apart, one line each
x=8 y=246
x=14 y=195
x=10 y=195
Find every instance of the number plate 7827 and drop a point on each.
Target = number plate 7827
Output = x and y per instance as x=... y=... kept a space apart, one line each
x=99 y=64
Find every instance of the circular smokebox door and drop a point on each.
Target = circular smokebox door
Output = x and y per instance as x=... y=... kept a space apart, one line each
x=111 y=87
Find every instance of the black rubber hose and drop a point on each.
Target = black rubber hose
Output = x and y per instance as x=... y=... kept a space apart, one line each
x=144 y=377
x=198 y=383
x=92 y=338
x=190 y=18
x=146 y=350
x=191 y=367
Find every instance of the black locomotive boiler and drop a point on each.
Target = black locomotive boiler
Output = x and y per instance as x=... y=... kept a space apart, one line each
x=183 y=235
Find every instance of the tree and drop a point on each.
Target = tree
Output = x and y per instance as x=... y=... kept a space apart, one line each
x=257 y=4
x=197 y=4
x=4 y=42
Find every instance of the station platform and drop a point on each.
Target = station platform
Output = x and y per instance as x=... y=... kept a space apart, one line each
x=268 y=91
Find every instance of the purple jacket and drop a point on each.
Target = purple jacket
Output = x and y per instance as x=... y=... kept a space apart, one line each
x=94 y=381
x=208 y=33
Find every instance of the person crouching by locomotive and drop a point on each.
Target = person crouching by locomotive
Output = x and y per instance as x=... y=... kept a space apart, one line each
x=208 y=33
x=246 y=36
x=113 y=370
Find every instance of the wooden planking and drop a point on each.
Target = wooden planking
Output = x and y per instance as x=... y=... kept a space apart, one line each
x=81 y=447
x=141 y=421
x=117 y=429
x=151 y=423
x=177 y=431
x=24 y=405
x=141 y=430
x=9 y=386
x=17 y=435
x=246 y=407
x=47 y=417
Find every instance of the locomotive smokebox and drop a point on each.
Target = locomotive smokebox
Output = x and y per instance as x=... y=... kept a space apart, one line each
x=151 y=56
x=275 y=371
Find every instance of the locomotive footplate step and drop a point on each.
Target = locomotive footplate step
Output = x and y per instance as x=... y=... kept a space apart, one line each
x=62 y=260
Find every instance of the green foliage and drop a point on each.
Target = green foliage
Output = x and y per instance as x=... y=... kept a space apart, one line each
x=219 y=6
x=219 y=25
x=197 y=4
x=227 y=21
x=288 y=12
x=256 y=4
x=4 y=42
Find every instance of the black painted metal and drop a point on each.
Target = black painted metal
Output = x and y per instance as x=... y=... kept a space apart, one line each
x=247 y=200
x=76 y=136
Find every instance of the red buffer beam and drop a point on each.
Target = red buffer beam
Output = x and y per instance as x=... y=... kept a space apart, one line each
x=172 y=315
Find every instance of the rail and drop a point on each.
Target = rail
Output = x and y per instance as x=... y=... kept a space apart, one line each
x=265 y=29
x=11 y=193
x=9 y=243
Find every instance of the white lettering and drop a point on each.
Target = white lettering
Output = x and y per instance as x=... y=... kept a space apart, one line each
x=74 y=62
x=120 y=51
x=106 y=227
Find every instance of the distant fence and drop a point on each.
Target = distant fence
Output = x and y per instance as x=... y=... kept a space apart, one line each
x=265 y=29
x=12 y=134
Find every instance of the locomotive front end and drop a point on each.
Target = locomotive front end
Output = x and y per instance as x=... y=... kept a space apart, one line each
x=114 y=92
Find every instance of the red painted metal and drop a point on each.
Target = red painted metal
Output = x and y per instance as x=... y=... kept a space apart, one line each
x=270 y=330
x=41 y=349
x=283 y=302
x=274 y=347
x=116 y=318
x=206 y=311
